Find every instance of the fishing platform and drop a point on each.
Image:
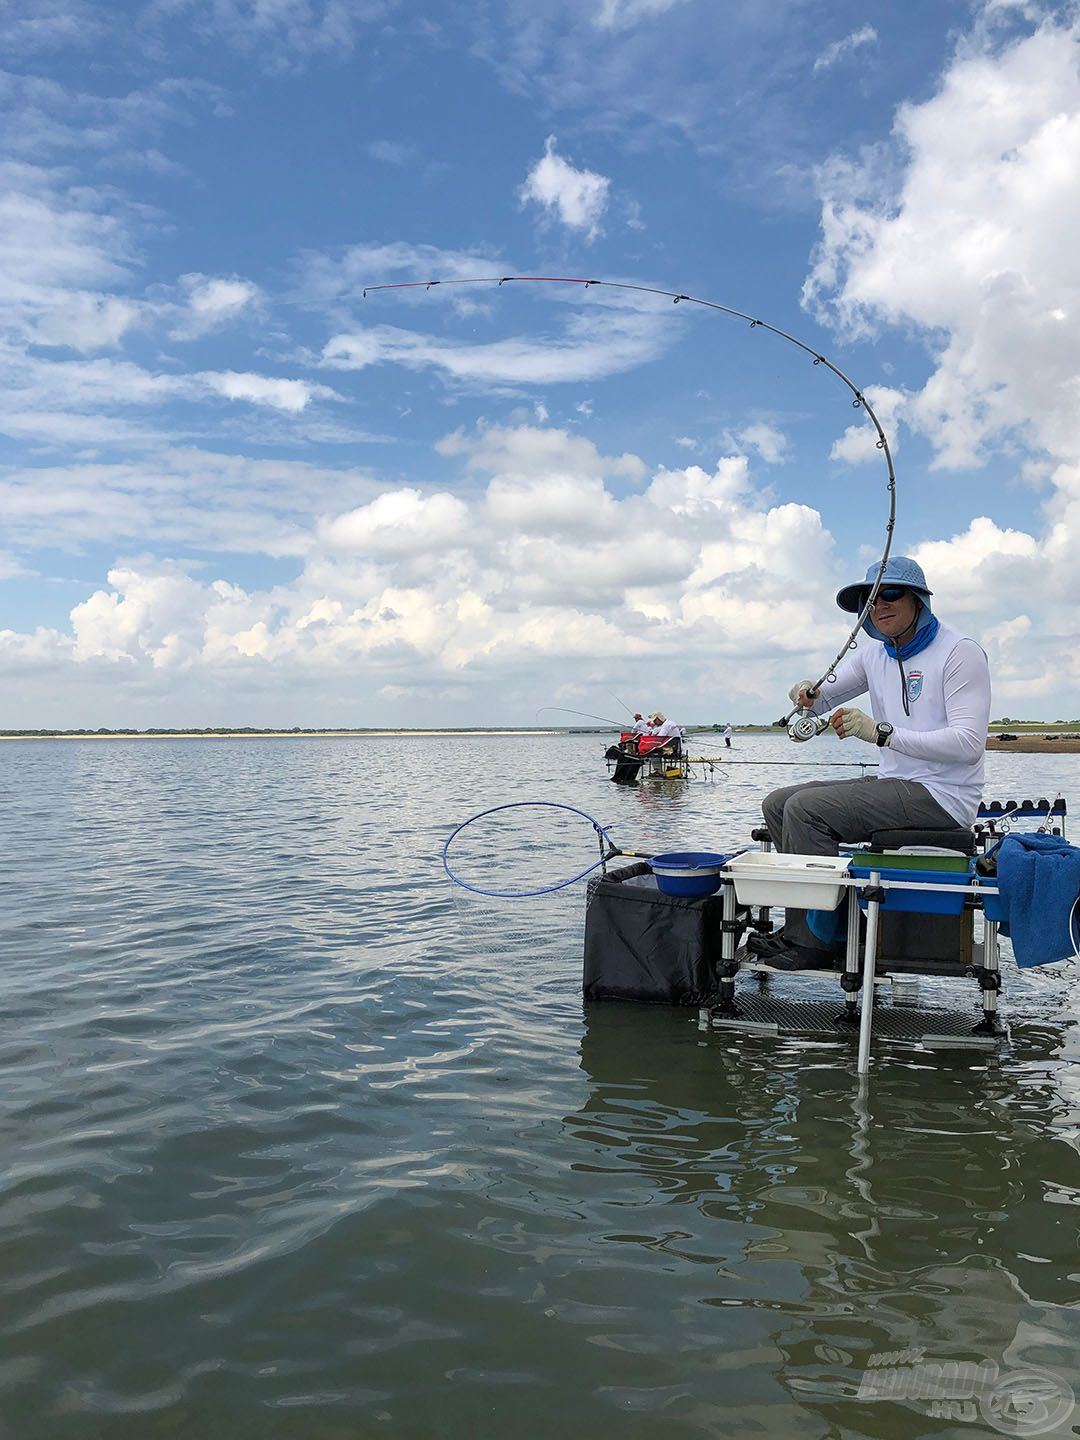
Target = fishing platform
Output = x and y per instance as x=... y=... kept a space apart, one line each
x=920 y=906
x=656 y=758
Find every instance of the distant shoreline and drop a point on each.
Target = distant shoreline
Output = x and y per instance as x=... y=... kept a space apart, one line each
x=254 y=734
x=1044 y=739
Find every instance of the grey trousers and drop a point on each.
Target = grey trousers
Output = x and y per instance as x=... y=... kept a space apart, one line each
x=812 y=819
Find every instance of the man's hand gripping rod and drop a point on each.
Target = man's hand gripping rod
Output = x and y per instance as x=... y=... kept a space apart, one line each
x=800 y=722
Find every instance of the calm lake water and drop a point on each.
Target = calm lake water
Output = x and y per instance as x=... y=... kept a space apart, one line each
x=301 y=1141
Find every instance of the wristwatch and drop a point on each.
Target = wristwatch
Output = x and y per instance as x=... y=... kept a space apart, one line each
x=884 y=732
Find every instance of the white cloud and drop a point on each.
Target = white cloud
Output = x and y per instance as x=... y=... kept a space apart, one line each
x=82 y=322
x=620 y=14
x=182 y=496
x=859 y=442
x=766 y=440
x=291 y=396
x=212 y=301
x=327 y=279
x=59 y=247
x=865 y=35
x=538 y=562
x=11 y=567
x=50 y=235
x=27 y=26
x=592 y=345
x=24 y=654
x=973 y=245
x=282 y=34
x=44 y=118
x=400 y=522
x=576 y=198
x=391 y=152
x=962 y=231
x=526 y=451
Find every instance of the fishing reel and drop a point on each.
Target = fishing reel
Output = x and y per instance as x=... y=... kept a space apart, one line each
x=801 y=723
x=804 y=726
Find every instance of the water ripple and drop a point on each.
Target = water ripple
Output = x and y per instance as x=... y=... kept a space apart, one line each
x=296 y=1135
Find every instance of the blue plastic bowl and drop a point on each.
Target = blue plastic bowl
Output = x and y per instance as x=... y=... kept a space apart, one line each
x=688 y=873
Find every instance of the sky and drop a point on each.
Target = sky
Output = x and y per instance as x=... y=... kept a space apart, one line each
x=236 y=490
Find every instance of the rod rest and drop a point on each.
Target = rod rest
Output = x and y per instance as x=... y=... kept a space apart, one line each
x=993 y=809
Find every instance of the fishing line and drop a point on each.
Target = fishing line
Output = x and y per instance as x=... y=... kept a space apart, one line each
x=582 y=714
x=803 y=727
x=804 y=764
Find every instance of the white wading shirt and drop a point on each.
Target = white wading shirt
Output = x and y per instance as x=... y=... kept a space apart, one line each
x=667 y=729
x=941 y=744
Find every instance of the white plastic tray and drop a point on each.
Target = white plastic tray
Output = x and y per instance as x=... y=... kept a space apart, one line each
x=808 y=882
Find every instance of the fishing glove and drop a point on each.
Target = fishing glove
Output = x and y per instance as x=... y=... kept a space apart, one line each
x=857 y=723
x=797 y=689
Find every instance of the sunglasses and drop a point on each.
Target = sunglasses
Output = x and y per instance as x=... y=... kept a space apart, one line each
x=891 y=593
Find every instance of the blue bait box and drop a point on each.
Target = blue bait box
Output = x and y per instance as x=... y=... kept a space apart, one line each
x=927 y=902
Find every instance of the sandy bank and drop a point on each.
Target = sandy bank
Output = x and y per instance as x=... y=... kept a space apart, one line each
x=1037 y=744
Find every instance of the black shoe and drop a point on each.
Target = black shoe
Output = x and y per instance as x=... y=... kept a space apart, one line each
x=765 y=945
x=800 y=957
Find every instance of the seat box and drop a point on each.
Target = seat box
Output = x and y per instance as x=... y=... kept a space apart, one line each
x=917 y=858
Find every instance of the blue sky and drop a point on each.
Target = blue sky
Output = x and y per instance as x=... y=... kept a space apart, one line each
x=234 y=491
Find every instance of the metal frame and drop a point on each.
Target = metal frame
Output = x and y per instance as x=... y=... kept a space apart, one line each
x=860 y=970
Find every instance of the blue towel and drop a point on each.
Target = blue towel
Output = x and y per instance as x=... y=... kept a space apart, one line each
x=1038 y=882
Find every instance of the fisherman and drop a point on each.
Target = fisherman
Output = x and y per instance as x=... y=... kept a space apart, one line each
x=929 y=690
x=625 y=754
x=666 y=729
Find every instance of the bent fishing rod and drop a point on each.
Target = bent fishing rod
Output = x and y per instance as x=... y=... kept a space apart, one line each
x=800 y=722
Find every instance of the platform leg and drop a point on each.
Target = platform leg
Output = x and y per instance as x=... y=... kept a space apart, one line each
x=851 y=979
x=729 y=966
x=988 y=975
x=866 y=1020
x=763 y=914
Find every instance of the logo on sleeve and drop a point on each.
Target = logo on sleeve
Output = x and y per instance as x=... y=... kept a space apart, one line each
x=914 y=684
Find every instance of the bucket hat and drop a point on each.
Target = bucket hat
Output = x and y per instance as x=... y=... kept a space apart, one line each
x=899 y=570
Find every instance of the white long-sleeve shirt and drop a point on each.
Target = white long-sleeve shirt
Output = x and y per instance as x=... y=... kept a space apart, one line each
x=942 y=742
x=668 y=728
